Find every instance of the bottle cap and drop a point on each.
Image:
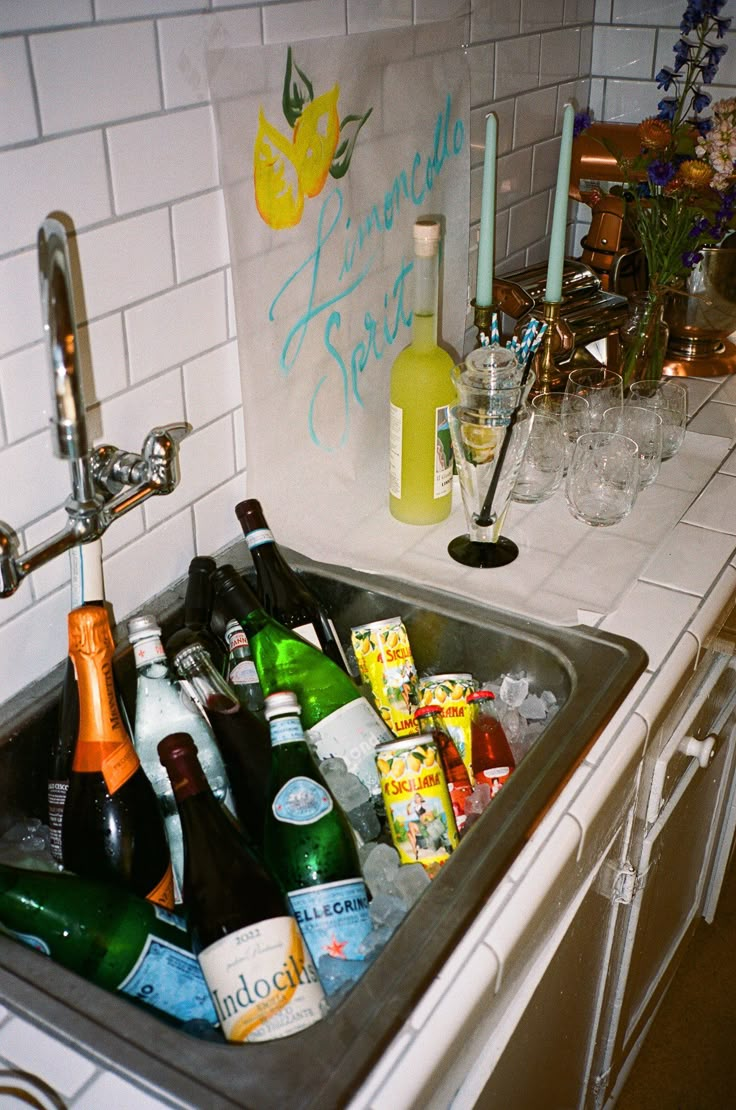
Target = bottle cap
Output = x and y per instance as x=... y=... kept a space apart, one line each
x=250 y=514
x=426 y=711
x=427 y=234
x=145 y=624
x=280 y=703
x=202 y=562
x=482 y=695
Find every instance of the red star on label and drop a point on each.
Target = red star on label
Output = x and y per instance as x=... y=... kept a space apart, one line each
x=336 y=948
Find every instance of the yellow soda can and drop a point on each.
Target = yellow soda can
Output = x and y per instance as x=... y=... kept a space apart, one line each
x=418 y=806
x=386 y=665
x=450 y=692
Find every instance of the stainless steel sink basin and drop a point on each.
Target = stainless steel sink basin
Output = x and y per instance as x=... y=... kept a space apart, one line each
x=589 y=672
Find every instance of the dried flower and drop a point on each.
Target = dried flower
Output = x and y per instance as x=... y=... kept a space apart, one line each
x=655 y=133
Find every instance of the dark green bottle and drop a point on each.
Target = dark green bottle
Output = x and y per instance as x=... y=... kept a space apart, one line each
x=113 y=938
x=309 y=845
x=338 y=720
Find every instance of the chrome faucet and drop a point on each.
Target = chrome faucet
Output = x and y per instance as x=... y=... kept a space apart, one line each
x=106 y=482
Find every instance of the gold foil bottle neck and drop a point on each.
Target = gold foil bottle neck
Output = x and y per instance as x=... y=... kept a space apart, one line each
x=89 y=631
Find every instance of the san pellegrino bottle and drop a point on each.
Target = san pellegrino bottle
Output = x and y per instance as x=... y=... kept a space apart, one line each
x=284 y=595
x=113 y=938
x=309 y=845
x=338 y=720
x=241 y=670
x=490 y=754
x=261 y=978
x=197 y=612
x=161 y=707
x=429 y=719
x=420 y=448
x=87 y=588
x=112 y=828
x=243 y=738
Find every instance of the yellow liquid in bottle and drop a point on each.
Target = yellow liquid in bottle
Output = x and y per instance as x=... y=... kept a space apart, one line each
x=421 y=454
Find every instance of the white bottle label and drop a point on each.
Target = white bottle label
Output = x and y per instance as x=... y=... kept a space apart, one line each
x=243 y=673
x=396 y=431
x=352 y=733
x=258 y=536
x=442 y=453
x=263 y=982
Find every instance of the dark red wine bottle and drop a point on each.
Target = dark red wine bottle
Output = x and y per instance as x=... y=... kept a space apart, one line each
x=285 y=596
x=259 y=973
x=112 y=828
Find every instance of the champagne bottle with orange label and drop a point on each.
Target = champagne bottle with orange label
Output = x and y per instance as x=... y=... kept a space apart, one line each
x=112 y=828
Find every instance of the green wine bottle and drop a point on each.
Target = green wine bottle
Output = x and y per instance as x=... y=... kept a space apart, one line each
x=113 y=938
x=309 y=845
x=338 y=720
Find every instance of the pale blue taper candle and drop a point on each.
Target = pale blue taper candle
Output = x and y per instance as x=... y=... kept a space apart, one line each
x=559 y=219
x=484 y=281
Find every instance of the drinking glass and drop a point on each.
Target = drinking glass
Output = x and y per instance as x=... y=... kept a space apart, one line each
x=669 y=398
x=543 y=461
x=603 y=479
x=602 y=389
x=573 y=412
x=644 y=426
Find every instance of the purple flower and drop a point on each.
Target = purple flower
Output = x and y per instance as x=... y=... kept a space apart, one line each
x=722 y=26
x=660 y=173
x=665 y=78
x=701 y=100
x=667 y=108
x=582 y=122
x=715 y=53
x=700 y=227
x=691 y=258
x=703 y=126
x=682 y=53
x=709 y=73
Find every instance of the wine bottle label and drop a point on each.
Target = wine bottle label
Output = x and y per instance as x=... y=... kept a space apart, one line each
x=258 y=536
x=57 y=792
x=170 y=979
x=263 y=982
x=396 y=430
x=442 y=453
x=243 y=673
x=118 y=766
x=352 y=733
x=334 y=919
x=301 y=801
x=163 y=892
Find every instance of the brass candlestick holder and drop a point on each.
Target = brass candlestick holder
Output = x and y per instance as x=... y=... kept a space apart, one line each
x=558 y=338
x=482 y=321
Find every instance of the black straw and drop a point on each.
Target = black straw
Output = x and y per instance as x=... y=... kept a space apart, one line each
x=484 y=517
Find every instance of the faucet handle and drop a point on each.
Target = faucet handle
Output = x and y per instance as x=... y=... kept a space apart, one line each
x=161 y=454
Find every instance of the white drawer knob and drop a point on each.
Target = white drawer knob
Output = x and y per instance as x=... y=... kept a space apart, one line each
x=702 y=750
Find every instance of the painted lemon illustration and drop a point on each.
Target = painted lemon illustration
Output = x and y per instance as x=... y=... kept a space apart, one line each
x=279 y=195
x=315 y=141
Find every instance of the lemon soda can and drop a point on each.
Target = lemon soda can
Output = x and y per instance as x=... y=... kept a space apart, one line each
x=386 y=665
x=418 y=806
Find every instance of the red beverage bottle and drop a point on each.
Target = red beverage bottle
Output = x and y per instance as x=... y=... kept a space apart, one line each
x=429 y=719
x=491 y=757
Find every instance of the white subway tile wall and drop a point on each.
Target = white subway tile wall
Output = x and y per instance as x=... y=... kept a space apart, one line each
x=105 y=116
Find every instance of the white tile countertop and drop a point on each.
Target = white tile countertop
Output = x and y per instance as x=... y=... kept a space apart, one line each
x=657 y=578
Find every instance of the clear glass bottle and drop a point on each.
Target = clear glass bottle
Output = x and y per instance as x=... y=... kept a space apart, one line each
x=242 y=738
x=309 y=845
x=490 y=754
x=261 y=978
x=162 y=707
x=420 y=448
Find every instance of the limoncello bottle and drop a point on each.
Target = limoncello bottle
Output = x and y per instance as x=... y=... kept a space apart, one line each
x=420 y=488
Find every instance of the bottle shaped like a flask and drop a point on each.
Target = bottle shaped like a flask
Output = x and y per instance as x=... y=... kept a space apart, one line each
x=162 y=706
x=113 y=938
x=490 y=753
x=420 y=449
x=338 y=720
x=112 y=828
x=285 y=596
x=259 y=972
x=309 y=845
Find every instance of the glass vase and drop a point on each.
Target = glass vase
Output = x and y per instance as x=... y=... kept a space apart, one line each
x=643 y=339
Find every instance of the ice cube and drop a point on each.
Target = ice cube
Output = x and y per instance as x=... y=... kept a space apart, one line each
x=380 y=867
x=511 y=721
x=410 y=882
x=533 y=708
x=477 y=801
x=376 y=940
x=333 y=765
x=364 y=821
x=387 y=909
x=549 y=699
x=514 y=690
